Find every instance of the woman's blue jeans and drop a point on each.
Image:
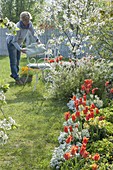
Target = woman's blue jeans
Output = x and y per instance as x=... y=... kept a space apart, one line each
x=14 y=56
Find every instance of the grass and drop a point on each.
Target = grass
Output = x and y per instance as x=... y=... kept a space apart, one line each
x=39 y=118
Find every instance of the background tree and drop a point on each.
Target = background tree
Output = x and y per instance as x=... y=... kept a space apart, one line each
x=83 y=25
x=72 y=19
x=12 y=8
x=102 y=39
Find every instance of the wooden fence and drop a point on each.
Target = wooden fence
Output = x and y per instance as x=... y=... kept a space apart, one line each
x=3 y=46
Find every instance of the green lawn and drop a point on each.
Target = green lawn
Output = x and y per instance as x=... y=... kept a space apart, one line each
x=39 y=118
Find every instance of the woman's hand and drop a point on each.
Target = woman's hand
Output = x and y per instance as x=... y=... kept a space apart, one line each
x=23 y=50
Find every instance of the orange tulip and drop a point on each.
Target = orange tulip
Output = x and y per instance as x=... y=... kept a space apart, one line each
x=73 y=116
x=69 y=139
x=96 y=157
x=74 y=98
x=66 y=129
x=85 y=140
x=94 y=166
x=67 y=155
x=70 y=128
x=85 y=154
x=77 y=114
x=74 y=149
x=111 y=90
x=107 y=83
x=67 y=115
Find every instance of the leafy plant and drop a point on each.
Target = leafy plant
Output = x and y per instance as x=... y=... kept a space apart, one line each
x=102 y=34
x=4 y=87
x=68 y=78
x=6 y=23
x=81 y=129
x=108 y=112
x=27 y=71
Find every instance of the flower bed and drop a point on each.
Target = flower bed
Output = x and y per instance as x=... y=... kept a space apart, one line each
x=84 y=127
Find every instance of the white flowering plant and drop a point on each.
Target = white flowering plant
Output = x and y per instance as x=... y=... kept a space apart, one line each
x=81 y=127
x=6 y=23
x=6 y=124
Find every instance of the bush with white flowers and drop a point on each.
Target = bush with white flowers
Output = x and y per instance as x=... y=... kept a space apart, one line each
x=6 y=124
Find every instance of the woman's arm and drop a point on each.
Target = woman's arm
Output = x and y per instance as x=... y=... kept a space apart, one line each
x=33 y=33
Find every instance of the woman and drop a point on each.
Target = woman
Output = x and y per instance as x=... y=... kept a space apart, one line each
x=14 y=44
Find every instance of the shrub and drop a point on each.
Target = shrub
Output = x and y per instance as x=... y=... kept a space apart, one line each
x=108 y=112
x=67 y=79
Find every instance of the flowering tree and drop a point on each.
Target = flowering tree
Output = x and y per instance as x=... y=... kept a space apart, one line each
x=83 y=25
x=72 y=18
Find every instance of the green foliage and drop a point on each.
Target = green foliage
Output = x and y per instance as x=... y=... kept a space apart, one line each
x=109 y=128
x=108 y=112
x=66 y=80
x=12 y=8
x=75 y=163
x=4 y=87
x=103 y=34
x=105 y=148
